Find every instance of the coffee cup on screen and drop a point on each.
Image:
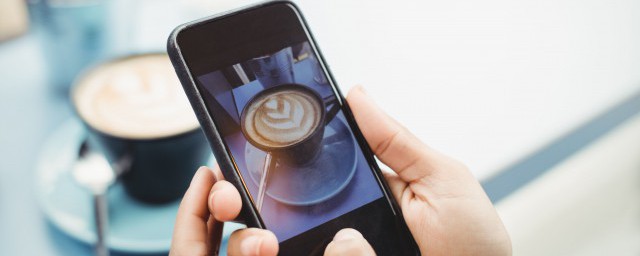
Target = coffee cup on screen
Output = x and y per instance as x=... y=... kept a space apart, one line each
x=135 y=110
x=288 y=121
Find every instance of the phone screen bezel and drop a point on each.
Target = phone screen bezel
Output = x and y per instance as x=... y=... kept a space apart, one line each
x=186 y=48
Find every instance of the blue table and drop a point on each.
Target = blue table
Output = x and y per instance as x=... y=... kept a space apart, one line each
x=30 y=110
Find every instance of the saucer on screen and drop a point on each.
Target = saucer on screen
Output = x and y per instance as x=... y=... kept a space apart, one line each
x=133 y=226
x=314 y=182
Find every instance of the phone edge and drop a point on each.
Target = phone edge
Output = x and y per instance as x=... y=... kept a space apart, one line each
x=215 y=141
x=368 y=152
x=248 y=214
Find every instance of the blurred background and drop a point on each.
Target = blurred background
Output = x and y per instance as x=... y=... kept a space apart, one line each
x=539 y=98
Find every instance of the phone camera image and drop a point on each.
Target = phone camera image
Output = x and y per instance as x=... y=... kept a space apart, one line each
x=283 y=125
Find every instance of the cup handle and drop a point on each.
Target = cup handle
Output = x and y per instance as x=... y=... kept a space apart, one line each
x=334 y=107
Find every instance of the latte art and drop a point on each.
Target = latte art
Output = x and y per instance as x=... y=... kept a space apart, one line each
x=137 y=97
x=282 y=118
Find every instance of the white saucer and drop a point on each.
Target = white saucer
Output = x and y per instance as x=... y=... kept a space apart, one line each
x=133 y=226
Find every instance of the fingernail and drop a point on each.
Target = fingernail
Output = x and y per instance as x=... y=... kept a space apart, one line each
x=211 y=200
x=251 y=245
x=361 y=88
x=197 y=175
x=346 y=234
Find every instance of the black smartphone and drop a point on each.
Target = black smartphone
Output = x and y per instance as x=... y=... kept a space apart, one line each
x=282 y=132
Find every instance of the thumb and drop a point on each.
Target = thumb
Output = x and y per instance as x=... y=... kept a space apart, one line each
x=349 y=242
x=391 y=142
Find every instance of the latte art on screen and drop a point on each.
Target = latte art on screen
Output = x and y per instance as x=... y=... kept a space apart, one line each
x=282 y=118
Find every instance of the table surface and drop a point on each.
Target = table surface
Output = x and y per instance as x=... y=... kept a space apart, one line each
x=487 y=82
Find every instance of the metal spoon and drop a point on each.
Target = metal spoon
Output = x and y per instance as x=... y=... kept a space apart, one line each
x=269 y=163
x=93 y=172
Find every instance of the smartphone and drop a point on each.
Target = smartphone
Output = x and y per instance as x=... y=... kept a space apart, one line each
x=282 y=131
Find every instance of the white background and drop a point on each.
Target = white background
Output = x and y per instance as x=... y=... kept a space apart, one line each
x=487 y=82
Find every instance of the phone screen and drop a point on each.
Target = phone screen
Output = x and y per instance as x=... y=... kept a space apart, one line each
x=283 y=120
x=287 y=130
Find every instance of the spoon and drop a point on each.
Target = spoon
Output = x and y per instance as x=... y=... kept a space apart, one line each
x=93 y=172
x=269 y=163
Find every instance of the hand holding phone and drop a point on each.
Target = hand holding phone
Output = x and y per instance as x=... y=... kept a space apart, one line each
x=460 y=208
x=289 y=145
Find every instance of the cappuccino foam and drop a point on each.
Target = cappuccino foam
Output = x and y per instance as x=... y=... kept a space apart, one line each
x=282 y=118
x=138 y=97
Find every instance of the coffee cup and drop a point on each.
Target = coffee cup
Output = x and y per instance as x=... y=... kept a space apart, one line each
x=137 y=115
x=288 y=121
x=274 y=69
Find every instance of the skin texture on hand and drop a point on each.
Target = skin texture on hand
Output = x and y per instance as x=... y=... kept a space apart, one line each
x=349 y=242
x=444 y=206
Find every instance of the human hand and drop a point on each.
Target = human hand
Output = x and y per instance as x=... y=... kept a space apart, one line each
x=444 y=206
x=210 y=201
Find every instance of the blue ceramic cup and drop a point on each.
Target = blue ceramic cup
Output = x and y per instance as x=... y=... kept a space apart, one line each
x=137 y=115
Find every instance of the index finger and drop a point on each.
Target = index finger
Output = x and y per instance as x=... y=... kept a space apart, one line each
x=190 y=231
